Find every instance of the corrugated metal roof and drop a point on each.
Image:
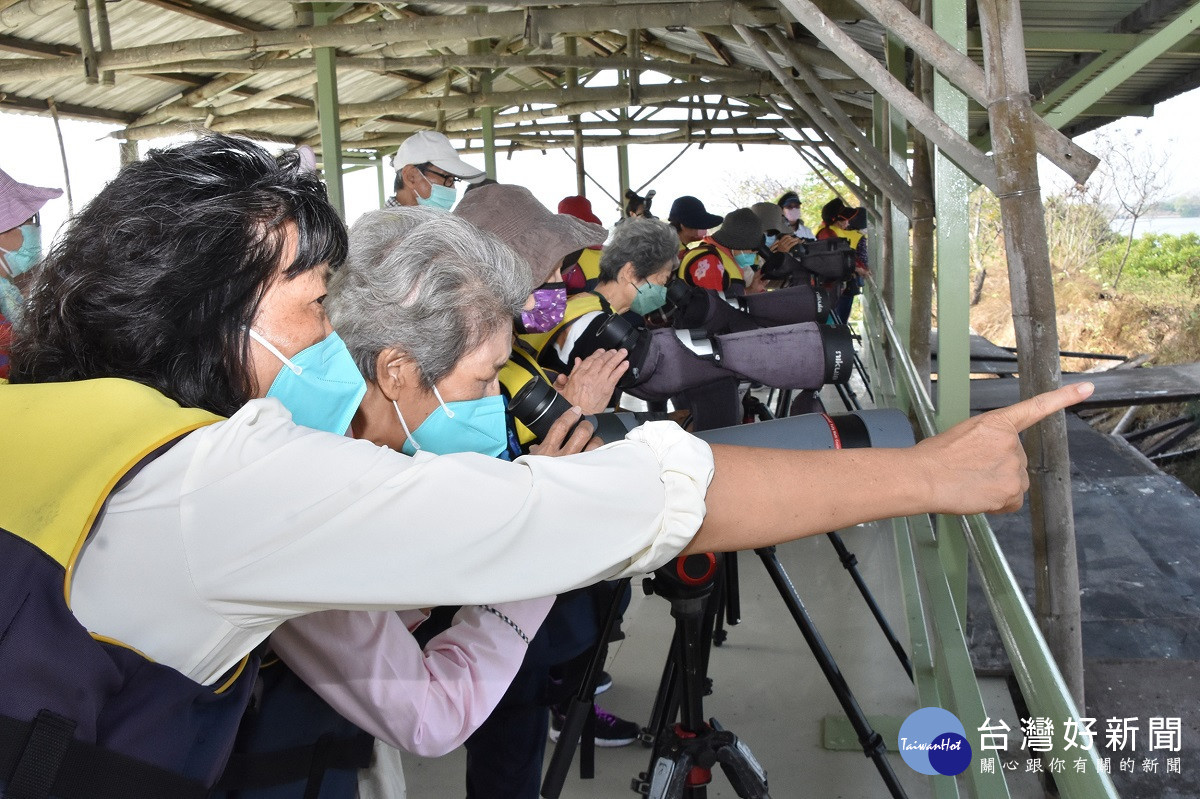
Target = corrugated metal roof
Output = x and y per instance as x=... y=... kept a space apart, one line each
x=140 y=23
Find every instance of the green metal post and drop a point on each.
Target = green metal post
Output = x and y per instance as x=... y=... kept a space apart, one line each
x=879 y=117
x=327 y=111
x=622 y=150
x=383 y=195
x=901 y=265
x=951 y=190
x=487 y=114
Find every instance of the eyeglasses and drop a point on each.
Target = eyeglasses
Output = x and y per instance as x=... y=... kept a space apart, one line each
x=444 y=178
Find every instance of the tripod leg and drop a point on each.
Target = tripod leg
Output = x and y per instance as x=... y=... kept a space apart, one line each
x=872 y=741
x=850 y=562
x=848 y=398
x=665 y=701
x=733 y=596
x=580 y=708
x=862 y=372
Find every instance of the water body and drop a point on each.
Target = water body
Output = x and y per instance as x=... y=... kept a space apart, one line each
x=1172 y=225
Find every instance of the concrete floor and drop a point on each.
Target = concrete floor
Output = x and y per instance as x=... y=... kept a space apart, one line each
x=768 y=688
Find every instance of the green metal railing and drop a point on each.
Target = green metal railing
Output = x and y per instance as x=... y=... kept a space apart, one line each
x=942 y=665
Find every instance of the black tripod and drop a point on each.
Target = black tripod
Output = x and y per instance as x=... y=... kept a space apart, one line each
x=685 y=753
x=688 y=583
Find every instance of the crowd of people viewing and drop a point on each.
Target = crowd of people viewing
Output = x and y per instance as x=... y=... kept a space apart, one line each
x=267 y=519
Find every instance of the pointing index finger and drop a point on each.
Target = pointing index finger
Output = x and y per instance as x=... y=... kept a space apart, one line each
x=1027 y=413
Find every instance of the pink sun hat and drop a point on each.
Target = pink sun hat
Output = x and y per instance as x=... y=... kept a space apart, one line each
x=19 y=201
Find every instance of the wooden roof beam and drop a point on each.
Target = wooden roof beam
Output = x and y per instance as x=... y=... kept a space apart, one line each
x=14 y=102
x=209 y=14
x=29 y=47
x=836 y=125
x=460 y=27
x=964 y=73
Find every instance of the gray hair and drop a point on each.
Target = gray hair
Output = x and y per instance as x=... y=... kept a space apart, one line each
x=648 y=244
x=425 y=282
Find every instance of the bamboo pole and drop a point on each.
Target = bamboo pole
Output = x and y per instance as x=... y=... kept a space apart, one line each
x=921 y=319
x=570 y=47
x=569 y=102
x=959 y=69
x=900 y=187
x=816 y=147
x=536 y=141
x=104 y=34
x=87 y=49
x=888 y=184
x=1031 y=284
x=454 y=28
x=268 y=95
x=949 y=141
x=451 y=61
x=18 y=15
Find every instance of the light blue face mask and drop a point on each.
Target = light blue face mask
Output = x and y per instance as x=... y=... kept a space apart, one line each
x=770 y=239
x=745 y=259
x=26 y=256
x=442 y=197
x=476 y=425
x=320 y=385
x=650 y=297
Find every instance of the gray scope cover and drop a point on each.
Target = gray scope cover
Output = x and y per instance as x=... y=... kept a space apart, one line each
x=887 y=428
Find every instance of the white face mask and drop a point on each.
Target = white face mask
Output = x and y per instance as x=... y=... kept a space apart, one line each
x=791 y=214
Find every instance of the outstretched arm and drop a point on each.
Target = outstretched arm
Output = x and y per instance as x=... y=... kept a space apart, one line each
x=977 y=466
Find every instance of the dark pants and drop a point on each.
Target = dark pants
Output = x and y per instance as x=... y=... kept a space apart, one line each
x=505 y=755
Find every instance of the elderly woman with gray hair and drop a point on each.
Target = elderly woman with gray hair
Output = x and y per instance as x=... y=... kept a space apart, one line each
x=425 y=304
x=634 y=271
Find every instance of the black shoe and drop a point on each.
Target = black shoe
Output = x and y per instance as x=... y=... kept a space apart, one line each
x=603 y=683
x=610 y=730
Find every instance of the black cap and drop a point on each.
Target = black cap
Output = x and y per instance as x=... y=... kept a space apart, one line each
x=832 y=210
x=741 y=230
x=690 y=212
x=787 y=198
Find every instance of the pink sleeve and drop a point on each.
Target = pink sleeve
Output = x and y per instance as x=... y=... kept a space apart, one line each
x=368 y=666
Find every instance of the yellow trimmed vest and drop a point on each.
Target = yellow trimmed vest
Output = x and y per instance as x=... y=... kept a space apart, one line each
x=522 y=366
x=699 y=249
x=112 y=721
x=577 y=305
x=589 y=264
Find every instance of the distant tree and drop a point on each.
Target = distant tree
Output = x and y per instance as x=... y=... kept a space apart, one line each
x=1134 y=178
x=987 y=237
x=813 y=193
x=1078 y=226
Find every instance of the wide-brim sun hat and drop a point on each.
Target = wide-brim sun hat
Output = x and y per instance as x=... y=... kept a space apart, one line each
x=540 y=236
x=771 y=216
x=740 y=230
x=19 y=201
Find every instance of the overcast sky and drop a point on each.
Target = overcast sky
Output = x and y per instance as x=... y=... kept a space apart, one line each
x=29 y=152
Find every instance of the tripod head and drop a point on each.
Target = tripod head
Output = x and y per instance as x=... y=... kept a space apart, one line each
x=686 y=577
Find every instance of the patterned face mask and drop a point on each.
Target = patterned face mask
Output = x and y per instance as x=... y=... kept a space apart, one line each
x=549 y=307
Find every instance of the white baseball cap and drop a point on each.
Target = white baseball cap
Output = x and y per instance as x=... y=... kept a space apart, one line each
x=431 y=147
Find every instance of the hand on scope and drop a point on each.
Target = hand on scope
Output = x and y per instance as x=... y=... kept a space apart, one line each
x=570 y=434
x=785 y=243
x=757 y=284
x=979 y=466
x=593 y=379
